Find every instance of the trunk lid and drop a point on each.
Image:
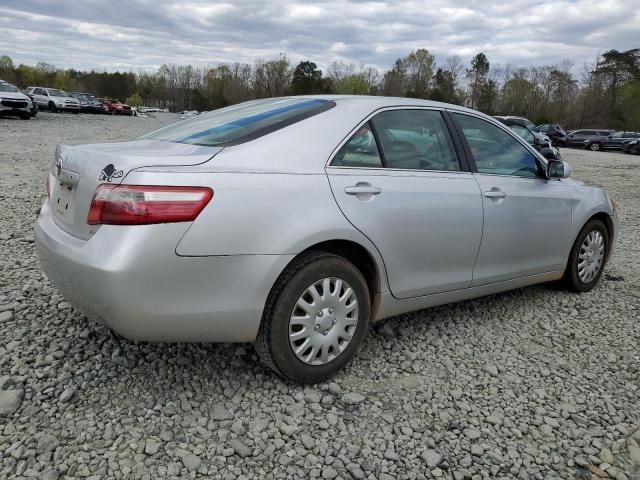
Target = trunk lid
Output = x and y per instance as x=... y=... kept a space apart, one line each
x=76 y=172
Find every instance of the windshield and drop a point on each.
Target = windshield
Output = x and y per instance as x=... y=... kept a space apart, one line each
x=241 y=123
x=54 y=92
x=7 y=87
x=530 y=125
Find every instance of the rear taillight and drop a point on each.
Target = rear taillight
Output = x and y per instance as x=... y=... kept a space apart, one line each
x=146 y=204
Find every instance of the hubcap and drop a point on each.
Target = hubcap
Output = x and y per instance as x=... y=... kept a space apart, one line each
x=323 y=321
x=591 y=256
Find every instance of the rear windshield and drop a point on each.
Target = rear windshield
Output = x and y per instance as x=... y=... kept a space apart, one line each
x=241 y=123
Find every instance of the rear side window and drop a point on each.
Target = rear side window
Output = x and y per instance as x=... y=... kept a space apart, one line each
x=360 y=151
x=241 y=123
x=415 y=140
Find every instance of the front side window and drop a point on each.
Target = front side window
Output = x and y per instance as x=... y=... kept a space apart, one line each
x=241 y=123
x=495 y=151
x=415 y=140
x=360 y=151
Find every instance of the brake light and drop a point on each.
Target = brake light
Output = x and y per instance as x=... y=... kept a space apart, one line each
x=146 y=204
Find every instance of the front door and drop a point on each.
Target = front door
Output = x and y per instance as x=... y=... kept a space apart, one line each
x=398 y=180
x=527 y=217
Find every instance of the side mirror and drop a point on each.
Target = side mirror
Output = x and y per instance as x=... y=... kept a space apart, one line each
x=558 y=169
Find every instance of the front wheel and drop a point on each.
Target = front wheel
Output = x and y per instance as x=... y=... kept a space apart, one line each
x=315 y=318
x=52 y=107
x=587 y=258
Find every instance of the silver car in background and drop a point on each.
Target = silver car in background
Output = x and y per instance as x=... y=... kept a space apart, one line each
x=295 y=222
x=54 y=100
x=13 y=102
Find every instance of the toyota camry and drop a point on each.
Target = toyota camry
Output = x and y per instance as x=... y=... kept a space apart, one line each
x=294 y=223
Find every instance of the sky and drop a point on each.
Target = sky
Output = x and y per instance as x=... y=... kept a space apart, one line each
x=143 y=34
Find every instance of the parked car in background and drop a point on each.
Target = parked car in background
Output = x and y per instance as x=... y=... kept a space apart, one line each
x=317 y=227
x=89 y=103
x=536 y=139
x=587 y=137
x=54 y=100
x=632 y=146
x=13 y=102
x=114 y=107
x=555 y=132
x=614 y=141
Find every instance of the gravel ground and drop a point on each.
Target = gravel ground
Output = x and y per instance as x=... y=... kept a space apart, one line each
x=532 y=384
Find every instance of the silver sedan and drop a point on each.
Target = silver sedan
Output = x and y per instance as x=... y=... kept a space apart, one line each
x=296 y=222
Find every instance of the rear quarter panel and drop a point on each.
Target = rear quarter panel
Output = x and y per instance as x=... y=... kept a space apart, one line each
x=261 y=214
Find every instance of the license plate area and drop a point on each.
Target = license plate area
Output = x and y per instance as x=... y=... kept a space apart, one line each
x=63 y=204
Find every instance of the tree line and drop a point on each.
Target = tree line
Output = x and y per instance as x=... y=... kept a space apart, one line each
x=603 y=94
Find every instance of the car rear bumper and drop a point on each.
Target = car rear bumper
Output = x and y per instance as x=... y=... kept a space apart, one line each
x=131 y=279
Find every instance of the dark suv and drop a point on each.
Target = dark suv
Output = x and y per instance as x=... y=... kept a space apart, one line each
x=587 y=138
x=615 y=141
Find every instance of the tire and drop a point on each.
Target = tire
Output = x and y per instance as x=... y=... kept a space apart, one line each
x=113 y=112
x=273 y=344
x=572 y=279
x=52 y=107
x=26 y=116
x=75 y=112
x=595 y=147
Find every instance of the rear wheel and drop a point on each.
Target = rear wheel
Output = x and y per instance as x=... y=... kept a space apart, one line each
x=595 y=147
x=587 y=258
x=315 y=318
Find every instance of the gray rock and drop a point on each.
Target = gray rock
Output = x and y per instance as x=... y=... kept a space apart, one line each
x=46 y=443
x=353 y=398
x=634 y=454
x=50 y=475
x=472 y=433
x=431 y=457
x=67 y=395
x=191 y=462
x=493 y=420
x=10 y=401
x=6 y=316
x=606 y=456
x=221 y=413
x=151 y=446
x=491 y=370
x=240 y=448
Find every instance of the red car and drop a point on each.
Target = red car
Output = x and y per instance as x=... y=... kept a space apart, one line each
x=114 y=107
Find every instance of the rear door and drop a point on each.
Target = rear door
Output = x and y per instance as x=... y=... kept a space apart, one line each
x=527 y=217
x=40 y=97
x=398 y=179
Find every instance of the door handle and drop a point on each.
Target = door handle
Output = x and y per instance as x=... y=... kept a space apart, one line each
x=361 y=189
x=495 y=194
